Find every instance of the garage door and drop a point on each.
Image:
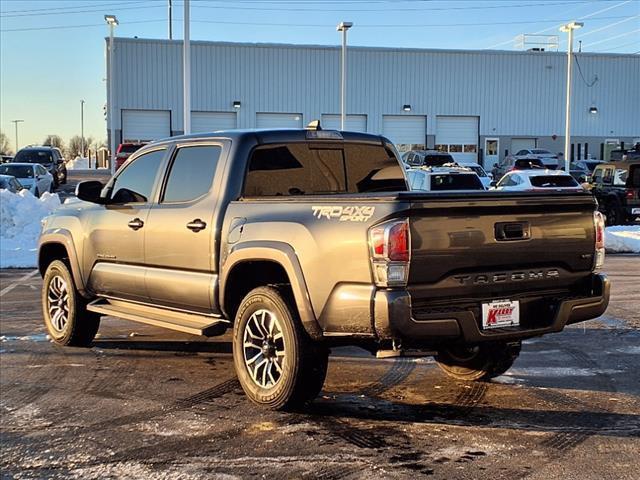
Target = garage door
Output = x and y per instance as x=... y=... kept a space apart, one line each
x=458 y=136
x=145 y=125
x=407 y=132
x=212 y=121
x=278 y=120
x=353 y=123
x=518 y=144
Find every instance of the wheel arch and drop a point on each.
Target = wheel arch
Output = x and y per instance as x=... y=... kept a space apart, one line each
x=253 y=264
x=60 y=246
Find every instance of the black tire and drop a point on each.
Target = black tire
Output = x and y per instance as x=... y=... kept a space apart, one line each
x=479 y=363
x=64 y=179
x=303 y=367
x=51 y=188
x=613 y=213
x=79 y=326
x=37 y=194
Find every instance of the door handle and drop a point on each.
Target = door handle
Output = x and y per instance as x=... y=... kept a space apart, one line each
x=136 y=224
x=196 y=225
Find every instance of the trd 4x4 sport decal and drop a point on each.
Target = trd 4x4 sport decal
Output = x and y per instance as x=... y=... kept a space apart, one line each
x=351 y=213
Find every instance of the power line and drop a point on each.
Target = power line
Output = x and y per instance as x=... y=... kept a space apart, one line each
x=635 y=42
x=67 y=27
x=631 y=32
x=88 y=5
x=589 y=85
x=85 y=11
x=591 y=32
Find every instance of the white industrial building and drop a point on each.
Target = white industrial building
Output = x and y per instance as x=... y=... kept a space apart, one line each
x=476 y=104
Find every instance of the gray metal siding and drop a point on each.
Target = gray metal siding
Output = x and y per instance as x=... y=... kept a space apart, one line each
x=513 y=93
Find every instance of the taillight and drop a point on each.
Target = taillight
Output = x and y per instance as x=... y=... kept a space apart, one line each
x=598 y=221
x=630 y=194
x=390 y=253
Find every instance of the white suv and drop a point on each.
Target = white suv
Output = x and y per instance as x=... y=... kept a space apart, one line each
x=443 y=178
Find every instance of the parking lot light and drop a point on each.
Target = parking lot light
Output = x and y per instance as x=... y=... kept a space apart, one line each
x=569 y=28
x=343 y=27
x=593 y=110
x=112 y=21
x=406 y=108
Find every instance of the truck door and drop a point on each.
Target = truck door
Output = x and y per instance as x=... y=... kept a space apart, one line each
x=180 y=240
x=114 y=248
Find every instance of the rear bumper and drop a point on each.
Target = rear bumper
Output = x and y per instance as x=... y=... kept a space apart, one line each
x=395 y=319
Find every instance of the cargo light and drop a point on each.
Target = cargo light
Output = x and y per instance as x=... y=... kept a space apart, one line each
x=598 y=221
x=389 y=243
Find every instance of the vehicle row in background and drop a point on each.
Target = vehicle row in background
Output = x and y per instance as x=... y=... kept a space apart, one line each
x=433 y=158
x=538 y=180
x=616 y=186
x=49 y=157
x=450 y=177
x=31 y=176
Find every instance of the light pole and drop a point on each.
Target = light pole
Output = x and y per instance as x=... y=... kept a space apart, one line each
x=16 y=122
x=569 y=28
x=343 y=27
x=82 y=126
x=170 y=18
x=186 y=73
x=112 y=21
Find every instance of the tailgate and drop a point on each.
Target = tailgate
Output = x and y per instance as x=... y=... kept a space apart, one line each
x=490 y=245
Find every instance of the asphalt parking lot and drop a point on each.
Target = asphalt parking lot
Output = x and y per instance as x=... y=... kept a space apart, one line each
x=148 y=403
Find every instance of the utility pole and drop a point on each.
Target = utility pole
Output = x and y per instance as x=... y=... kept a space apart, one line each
x=112 y=21
x=170 y=18
x=343 y=27
x=16 y=122
x=82 y=126
x=568 y=28
x=186 y=77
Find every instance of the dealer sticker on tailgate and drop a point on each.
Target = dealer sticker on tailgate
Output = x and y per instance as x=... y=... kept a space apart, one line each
x=500 y=313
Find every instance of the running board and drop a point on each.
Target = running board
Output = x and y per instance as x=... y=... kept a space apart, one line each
x=183 y=322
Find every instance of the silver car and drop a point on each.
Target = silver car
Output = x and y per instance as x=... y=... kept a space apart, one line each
x=32 y=176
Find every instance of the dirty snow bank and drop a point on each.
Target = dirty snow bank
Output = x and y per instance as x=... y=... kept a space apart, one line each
x=20 y=215
x=622 y=239
x=79 y=163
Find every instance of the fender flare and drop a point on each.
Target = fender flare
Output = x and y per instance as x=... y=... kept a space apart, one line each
x=284 y=255
x=63 y=237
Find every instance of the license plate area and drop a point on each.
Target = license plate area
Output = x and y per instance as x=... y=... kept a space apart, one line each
x=500 y=314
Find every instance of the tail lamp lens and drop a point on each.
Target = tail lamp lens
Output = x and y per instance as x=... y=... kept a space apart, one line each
x=390 y=253
x=598 y=221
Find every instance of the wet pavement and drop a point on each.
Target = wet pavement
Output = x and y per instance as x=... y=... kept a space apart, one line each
x=147 y=403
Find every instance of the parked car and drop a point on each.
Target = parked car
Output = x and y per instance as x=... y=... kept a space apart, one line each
x=508 y=164
x=581 y=170
x=9 y=182
x=485 y=178
x=32 y=176
x=549 y=159
x=49 y=157
x=616 y=185
x=440 y=179
x=125 y=150
x=5 y=158
x=299 y=249
x=538 y=181
x=427 y=158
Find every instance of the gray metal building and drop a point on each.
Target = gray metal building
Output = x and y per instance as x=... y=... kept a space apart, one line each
x=478 y=105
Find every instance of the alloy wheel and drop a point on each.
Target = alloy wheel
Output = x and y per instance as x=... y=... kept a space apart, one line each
x=58 y=303
x=264 y=348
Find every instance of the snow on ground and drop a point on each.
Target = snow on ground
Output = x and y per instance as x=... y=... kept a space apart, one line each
x=20 y=215
x=79 y=163
x=622 y=239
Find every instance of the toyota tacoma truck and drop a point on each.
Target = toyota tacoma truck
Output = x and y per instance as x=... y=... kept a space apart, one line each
x=304 y=240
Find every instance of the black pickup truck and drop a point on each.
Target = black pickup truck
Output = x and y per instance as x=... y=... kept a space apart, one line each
x=302 y=240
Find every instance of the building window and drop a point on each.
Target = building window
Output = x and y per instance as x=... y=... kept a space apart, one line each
x=455 y=148
x=470 y=149
x=442 y=148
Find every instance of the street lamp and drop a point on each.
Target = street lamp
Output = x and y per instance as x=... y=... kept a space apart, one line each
x=186 y=72
x=16 y=122
x=569 y=28
x=82 y=126
x=112 y=21
x=343 y=27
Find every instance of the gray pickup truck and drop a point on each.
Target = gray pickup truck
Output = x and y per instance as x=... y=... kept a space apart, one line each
x=303 y=240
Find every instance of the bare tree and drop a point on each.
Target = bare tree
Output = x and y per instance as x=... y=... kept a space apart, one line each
x=75 y=146
x=5 y=149
x=53 y=141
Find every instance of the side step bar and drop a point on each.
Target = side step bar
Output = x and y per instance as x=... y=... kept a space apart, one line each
x=183 y=322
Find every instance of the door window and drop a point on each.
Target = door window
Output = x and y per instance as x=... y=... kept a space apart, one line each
x=191 y=174
x=608 y=176
x=491 y=147
x=135 y=183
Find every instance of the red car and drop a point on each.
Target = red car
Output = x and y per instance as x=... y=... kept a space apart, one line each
x=124 y=152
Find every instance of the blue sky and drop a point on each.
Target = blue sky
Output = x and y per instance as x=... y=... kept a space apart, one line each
x=52 y=51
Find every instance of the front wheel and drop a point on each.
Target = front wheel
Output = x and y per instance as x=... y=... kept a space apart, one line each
x=482 y=362
x=278 y=365
x=66 y=317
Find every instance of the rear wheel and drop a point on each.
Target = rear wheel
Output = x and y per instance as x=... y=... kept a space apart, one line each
x=482 y=362
x=65 y=311
x=278 y=365
x=613 y=212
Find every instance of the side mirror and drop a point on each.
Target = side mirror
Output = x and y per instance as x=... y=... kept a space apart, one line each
x=493 y=183
x=89 y=191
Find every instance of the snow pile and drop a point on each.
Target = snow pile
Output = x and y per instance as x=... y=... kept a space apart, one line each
x=20 y=215
x=79 y=163
x=622 y=239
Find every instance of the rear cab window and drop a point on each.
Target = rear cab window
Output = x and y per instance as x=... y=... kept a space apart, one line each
x=553 y=181
x=455 y=181
x=303 y=168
